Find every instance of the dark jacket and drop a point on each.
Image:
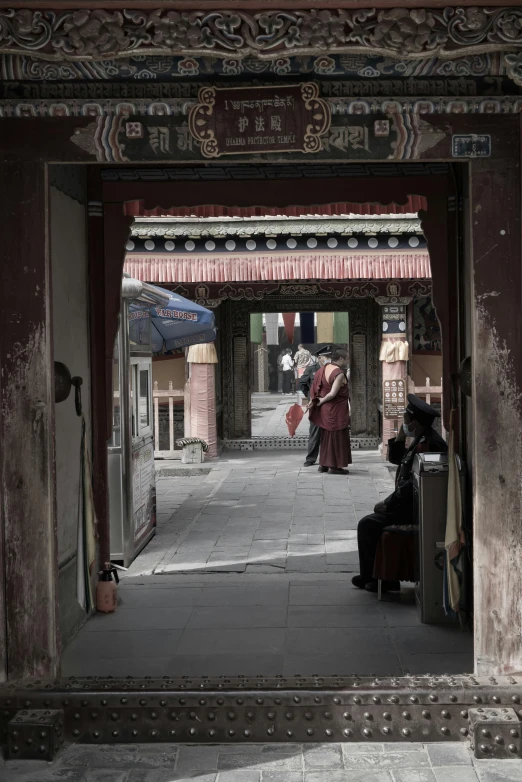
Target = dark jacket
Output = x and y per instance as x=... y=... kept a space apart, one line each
x=307 y=378
x=400 y=503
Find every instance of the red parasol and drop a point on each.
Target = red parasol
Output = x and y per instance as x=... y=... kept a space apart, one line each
x=294 y=417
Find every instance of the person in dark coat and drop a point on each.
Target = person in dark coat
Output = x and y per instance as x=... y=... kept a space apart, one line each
x=305 y=384
x=398 y=507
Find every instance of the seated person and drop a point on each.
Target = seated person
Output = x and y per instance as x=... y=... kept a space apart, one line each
x=398 y=507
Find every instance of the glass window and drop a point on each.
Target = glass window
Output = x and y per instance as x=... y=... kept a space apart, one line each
x=144 y=413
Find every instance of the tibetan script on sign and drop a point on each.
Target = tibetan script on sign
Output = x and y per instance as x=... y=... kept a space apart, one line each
x=394 y=394
x=245 y=120
x=471 y=146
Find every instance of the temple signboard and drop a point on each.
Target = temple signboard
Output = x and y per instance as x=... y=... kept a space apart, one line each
x=245 y=120
x=394 y=396
x=158 y=138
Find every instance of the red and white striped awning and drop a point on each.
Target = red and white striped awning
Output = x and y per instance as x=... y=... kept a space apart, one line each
x=164 y=267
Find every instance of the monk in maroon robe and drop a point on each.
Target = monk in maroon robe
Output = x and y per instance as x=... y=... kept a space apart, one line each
x=330 y=410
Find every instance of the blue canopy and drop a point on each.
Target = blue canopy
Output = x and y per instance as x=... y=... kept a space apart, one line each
x=177 y=324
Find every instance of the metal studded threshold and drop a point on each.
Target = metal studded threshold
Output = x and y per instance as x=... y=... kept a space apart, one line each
x=260 y=443
x=38 y=718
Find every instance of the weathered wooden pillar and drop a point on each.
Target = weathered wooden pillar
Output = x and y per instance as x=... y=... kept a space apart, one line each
x=436 y=225
x=236 y=387
x=27 y=460
x=364 y=319
x=101 y=414
x=497 y=395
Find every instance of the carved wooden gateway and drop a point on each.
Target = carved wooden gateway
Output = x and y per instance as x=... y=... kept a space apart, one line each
x=421 y=103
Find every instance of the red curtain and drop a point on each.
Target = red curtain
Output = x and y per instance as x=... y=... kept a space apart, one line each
x=289 y=321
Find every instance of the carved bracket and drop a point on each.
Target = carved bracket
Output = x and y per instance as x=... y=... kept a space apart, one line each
x=85 y=34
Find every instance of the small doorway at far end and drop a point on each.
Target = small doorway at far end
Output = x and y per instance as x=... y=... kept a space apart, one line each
x=284 y=349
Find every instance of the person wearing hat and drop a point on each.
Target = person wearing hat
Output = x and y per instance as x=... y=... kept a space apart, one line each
x=398 y=507
x=322 y=357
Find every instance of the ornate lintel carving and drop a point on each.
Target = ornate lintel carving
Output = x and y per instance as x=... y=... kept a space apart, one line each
x=386 y=224
x=354 y=291
x=98 y=34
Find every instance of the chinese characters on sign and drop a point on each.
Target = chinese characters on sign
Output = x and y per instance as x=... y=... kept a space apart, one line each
x=261 y=121
x=244 y=120
x=394 y=395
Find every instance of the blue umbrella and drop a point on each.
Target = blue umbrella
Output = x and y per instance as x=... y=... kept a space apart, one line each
x=176 y=324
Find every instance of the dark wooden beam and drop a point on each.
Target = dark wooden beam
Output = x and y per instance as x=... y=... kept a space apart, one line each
x=497 y=392
x=100 y=381
x=435 y=225
x=27 y=459
x=247 y=5
x=116 y=230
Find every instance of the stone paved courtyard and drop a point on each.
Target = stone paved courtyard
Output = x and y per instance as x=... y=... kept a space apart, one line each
x=250 y=573
x=271 y=763
x=268 y=415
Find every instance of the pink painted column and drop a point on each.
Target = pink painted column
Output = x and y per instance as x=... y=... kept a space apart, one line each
x=202 y=393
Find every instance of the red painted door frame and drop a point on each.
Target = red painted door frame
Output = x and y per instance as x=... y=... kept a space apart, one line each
x=497 y=282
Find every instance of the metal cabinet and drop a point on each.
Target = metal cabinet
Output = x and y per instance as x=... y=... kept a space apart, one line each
x=430 y=484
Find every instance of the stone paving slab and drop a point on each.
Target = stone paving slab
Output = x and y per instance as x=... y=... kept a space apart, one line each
x=444 y=762
x=269 y=412
x=250 y=573
x=277 y=499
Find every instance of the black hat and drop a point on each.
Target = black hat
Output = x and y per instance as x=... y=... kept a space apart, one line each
x=421 y=411
x=326 y=351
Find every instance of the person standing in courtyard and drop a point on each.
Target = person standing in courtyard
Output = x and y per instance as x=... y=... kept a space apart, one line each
x=301 y=360
x=288 y=370
x=330 y=411
x=305 y=385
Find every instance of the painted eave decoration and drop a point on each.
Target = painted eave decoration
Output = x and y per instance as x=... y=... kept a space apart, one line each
x=98 y=34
